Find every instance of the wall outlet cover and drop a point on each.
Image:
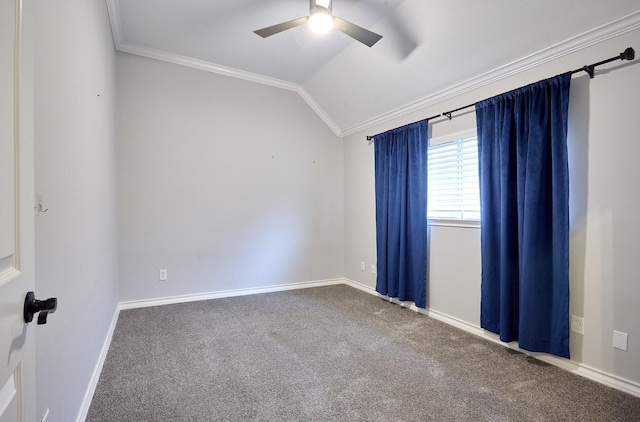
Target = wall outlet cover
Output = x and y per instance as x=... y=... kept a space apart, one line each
x=162 y=275
x=577 y=324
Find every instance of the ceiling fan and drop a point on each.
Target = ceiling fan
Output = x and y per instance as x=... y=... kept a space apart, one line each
x=321 y=20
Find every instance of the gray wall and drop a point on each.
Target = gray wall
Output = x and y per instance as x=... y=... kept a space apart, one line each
x=232 y=185
x=605 y=232
x=225 y=183
x=76 y=260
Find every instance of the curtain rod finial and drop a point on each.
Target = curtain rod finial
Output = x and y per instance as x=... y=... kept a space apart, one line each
x=628 y=54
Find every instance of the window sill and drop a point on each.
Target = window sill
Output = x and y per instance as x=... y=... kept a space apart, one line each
x=470 y=224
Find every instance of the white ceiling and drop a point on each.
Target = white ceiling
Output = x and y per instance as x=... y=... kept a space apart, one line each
x=429 y=48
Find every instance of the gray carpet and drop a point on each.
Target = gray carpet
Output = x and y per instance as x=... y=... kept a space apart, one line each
x=329 y=353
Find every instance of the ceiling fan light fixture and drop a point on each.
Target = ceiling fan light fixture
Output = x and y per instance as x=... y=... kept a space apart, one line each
x=320 y=19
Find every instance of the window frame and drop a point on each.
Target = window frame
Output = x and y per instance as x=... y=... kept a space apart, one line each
x=445 y=222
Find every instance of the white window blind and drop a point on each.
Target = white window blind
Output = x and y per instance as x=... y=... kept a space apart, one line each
x=454 y=189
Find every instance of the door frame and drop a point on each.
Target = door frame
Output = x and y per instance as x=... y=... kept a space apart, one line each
x=18 y=277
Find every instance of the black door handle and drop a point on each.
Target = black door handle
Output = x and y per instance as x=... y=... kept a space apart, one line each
x=33 y=306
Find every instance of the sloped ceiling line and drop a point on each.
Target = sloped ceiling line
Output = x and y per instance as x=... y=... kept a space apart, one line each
x=114 y=17
x=204 y=65
x=602 y=33
x=231 y=72
x=611 y=30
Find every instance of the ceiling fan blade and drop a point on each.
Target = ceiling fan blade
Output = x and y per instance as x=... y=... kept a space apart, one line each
x=272 y=30
x=356 y=32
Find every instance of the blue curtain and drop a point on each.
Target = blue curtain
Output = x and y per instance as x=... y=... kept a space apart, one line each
x=401 y=212
x=524 y=198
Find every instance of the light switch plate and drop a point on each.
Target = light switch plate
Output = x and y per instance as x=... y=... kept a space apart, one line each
x=620 y=340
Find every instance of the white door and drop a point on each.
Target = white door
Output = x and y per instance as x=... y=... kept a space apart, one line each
x=17 y=367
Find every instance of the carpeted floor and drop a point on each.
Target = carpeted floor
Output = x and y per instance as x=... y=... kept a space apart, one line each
x=328 y=354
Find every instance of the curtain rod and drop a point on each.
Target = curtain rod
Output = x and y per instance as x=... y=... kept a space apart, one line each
x=628 y=54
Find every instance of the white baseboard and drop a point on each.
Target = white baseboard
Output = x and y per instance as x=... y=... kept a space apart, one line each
x=226 y=293
x=577 y=368
x=86 y=403
x=360 y=286
x=594 y=374
x=93 y=383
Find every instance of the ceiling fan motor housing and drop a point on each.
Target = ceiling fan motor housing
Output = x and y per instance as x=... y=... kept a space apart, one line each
x=321 y=6
x=321 y=20
x=320 y=17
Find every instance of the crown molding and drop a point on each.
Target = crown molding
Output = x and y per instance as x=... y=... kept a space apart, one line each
x=319 y=111
x=594 y=36
x=121 y=45
x=113 y=8
x=165 y=56
x=231 y=72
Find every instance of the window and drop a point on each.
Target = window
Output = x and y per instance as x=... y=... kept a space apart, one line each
x=454 y=188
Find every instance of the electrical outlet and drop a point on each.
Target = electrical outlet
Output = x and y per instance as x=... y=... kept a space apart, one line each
x=361 y=265
x=373 y=269
x=620 y=340
x=162 y=275
x=577 y=324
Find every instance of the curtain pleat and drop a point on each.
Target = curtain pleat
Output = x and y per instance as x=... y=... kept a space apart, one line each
x=401 y=212
x=524 y=198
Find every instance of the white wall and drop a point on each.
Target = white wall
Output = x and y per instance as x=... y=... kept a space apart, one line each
x=76 y=259
x=225 y=183
x=605 y=231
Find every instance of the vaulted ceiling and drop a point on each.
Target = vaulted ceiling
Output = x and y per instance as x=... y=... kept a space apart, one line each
x=429 y=50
